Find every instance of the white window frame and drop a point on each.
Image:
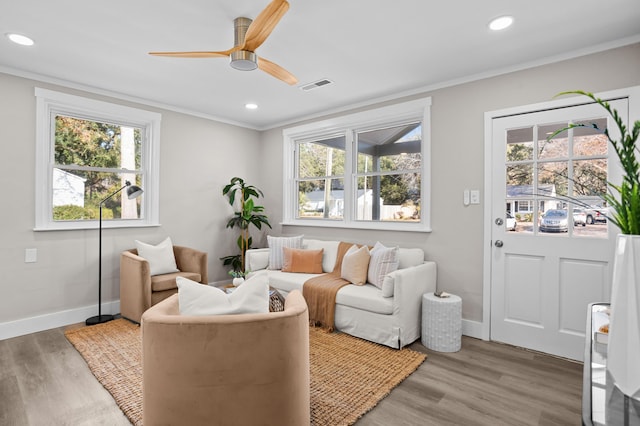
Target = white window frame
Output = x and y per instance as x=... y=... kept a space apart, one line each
x=49 y=104
x=415 y=110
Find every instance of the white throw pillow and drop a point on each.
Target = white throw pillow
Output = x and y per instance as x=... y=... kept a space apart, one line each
x=355 y=265
x=276 y=252
x=160 y=257
x=330 y=254
x=383 y=261
x=198 y=299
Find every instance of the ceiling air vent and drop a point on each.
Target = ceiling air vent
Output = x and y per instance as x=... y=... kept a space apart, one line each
x=316 y=84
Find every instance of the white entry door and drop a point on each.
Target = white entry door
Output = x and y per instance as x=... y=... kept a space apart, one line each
x=551 y=256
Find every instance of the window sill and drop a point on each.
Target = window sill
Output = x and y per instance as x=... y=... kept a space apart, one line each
x=376 y=226
x=93 y=225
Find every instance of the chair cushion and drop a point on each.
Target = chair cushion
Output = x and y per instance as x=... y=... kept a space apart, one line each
x=168 y=281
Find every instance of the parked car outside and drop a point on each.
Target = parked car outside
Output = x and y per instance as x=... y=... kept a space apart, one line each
x=579 y=217
x=596 y=214
x=555 y=220
x=511 y=222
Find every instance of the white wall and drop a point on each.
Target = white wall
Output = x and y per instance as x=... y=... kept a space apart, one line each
x=197 y=158
x=457 y=138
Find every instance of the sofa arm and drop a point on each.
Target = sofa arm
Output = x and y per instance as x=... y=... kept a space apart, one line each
x=256 y=259
x=409 y=286
x=192 y=260
x=135 y=285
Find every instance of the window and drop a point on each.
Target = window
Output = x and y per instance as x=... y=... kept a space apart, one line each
x=88 y=149
x=367 y=170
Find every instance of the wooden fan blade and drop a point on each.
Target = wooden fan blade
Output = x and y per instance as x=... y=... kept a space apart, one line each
x=276 y=71
x=264 y=23
x=205 y=54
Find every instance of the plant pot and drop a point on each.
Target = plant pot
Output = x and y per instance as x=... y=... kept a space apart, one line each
x=623 y=367
x=237 y=281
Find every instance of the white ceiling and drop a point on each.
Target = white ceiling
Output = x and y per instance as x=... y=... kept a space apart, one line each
x=370 y=49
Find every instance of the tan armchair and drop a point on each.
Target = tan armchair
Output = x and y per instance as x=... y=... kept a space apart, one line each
x=247 y=369
x=139 y=290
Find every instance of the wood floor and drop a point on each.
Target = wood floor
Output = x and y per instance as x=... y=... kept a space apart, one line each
x=44 y=381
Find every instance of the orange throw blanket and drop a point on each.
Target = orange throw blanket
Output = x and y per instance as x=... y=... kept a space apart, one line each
x=320 y=292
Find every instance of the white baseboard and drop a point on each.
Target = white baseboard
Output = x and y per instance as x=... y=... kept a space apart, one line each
x=74 y=316
x=57 y=319
x=472 y=328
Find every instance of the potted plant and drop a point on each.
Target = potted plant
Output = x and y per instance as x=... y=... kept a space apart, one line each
x=242 y=196
x=624 y=199
x=623 y=369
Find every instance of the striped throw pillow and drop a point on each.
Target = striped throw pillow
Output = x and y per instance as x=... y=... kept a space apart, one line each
x=384 y=260
x=276 y=246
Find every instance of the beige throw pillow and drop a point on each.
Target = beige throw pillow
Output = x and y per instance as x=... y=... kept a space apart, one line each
x=355 y=265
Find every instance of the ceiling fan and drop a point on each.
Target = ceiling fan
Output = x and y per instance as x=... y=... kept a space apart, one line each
x=248 y=36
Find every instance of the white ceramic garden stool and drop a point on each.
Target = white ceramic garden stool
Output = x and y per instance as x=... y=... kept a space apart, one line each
x=442 y=322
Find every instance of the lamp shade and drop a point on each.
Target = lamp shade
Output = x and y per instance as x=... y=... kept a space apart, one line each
x=134 y=191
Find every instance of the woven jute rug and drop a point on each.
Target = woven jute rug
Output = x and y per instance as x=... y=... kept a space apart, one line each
x=349 y=376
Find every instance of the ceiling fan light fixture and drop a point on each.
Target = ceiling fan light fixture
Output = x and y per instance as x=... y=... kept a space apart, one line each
x=244 y=60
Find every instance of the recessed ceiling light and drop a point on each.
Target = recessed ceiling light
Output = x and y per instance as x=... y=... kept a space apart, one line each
x=501 y=23
x=251 y=106
x=20 y=39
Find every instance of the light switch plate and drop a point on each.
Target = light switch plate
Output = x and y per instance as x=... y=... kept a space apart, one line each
x=475 y=196
x=30 y=255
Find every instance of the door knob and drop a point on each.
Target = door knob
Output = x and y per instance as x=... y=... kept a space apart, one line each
x=498 y=243
x=499 y=221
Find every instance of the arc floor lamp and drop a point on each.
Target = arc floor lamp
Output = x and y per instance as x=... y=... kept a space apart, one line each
x=133 y=192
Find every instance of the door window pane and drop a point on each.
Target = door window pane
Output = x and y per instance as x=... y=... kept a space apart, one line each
x=590 y=142
x=520 y=144
x=567 y=174
x=558 y=147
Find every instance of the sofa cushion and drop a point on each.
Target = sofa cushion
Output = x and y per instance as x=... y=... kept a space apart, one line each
x=383 y=261
x=198 y=299
x=276 y=244
x=287 y=281
x=168 y=281
x=330 y=254
x=355 y=265
x=408 y=257
x=366 y=297
x=302 y=261
x=160 y=257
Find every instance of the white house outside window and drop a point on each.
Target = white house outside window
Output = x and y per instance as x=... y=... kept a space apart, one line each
x=367 y=170
x=88 y=149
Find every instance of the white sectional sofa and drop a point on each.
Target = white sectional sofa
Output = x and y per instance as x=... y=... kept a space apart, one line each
x=390 y=315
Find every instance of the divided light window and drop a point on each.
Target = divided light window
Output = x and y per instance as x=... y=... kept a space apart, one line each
x=92 y=160
x=87 y=150
x=366 y=170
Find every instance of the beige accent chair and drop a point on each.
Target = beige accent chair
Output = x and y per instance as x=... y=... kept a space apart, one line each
x=139 y=290
x=246 y=369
